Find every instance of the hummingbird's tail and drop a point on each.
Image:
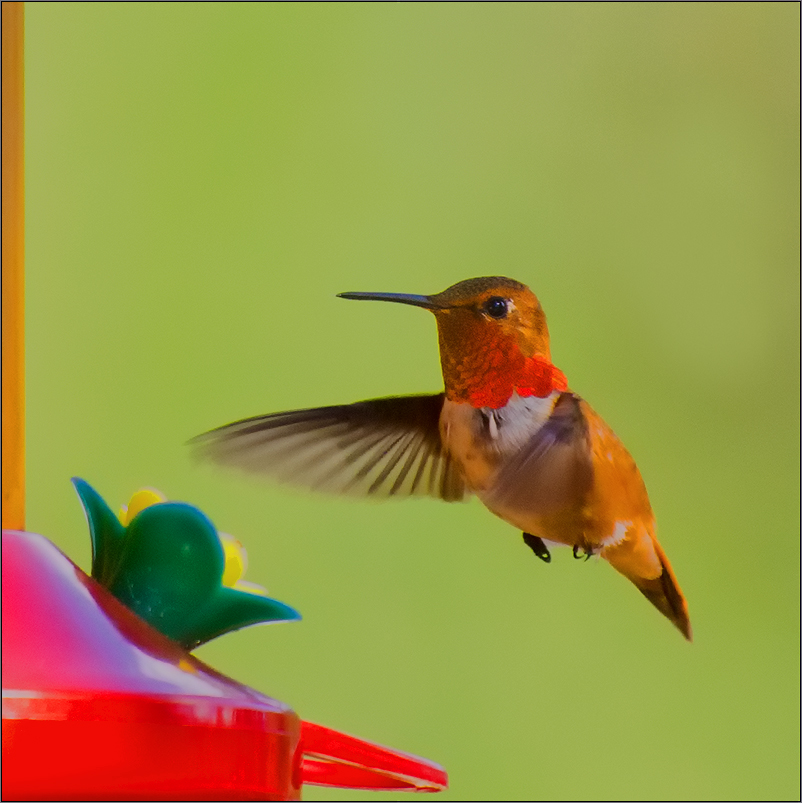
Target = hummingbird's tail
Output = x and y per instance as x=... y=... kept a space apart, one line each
x=665 y=594
x=663 y=590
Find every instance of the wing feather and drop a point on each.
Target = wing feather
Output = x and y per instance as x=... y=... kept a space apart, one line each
x=380 y=448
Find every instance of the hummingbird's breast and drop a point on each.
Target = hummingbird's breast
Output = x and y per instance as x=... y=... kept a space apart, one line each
x=481 y=439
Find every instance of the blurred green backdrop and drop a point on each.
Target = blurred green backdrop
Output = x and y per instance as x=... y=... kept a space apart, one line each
x=203 y=178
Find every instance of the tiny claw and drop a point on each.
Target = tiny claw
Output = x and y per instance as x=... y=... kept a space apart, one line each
x=586 y=553
x=538 y=547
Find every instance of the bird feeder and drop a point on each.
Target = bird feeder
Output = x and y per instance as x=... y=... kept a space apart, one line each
x=100 y=704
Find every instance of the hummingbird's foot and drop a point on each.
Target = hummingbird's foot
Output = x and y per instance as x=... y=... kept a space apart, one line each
x=586 y=553
x=538 y=547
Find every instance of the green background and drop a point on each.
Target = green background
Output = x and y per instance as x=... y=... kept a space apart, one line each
x=202 y=179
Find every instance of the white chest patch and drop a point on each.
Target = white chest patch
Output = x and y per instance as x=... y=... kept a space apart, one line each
x=510 y=427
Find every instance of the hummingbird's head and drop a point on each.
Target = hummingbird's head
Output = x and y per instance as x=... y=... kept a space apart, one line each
x=493 y=339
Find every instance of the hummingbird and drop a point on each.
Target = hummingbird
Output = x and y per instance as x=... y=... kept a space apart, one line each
x=506 y=428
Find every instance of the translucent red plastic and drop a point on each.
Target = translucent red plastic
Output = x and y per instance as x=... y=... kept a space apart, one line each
x=98 y=705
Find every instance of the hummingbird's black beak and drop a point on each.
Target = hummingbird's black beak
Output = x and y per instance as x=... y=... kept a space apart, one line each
x=399 y=298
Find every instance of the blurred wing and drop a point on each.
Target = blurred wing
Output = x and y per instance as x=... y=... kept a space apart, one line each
x=381 y=448
x=553 y=470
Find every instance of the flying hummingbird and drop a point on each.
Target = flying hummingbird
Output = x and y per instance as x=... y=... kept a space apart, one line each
x=506 y=428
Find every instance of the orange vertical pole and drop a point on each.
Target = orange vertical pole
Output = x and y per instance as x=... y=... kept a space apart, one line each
x=13 y=264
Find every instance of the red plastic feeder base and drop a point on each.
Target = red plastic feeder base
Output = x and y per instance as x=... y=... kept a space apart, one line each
x=98 y=705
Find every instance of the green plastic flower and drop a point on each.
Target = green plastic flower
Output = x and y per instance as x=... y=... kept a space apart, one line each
x=167 y=562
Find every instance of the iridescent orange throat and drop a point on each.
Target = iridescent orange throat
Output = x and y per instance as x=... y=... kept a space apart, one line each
x=489 y=378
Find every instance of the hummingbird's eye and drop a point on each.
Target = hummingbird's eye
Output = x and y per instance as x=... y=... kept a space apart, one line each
x=496 y=307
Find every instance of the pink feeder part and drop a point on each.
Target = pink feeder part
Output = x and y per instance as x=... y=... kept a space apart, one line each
x=97 y=704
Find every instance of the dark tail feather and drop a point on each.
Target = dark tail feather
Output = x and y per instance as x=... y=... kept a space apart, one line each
x=664 y=593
